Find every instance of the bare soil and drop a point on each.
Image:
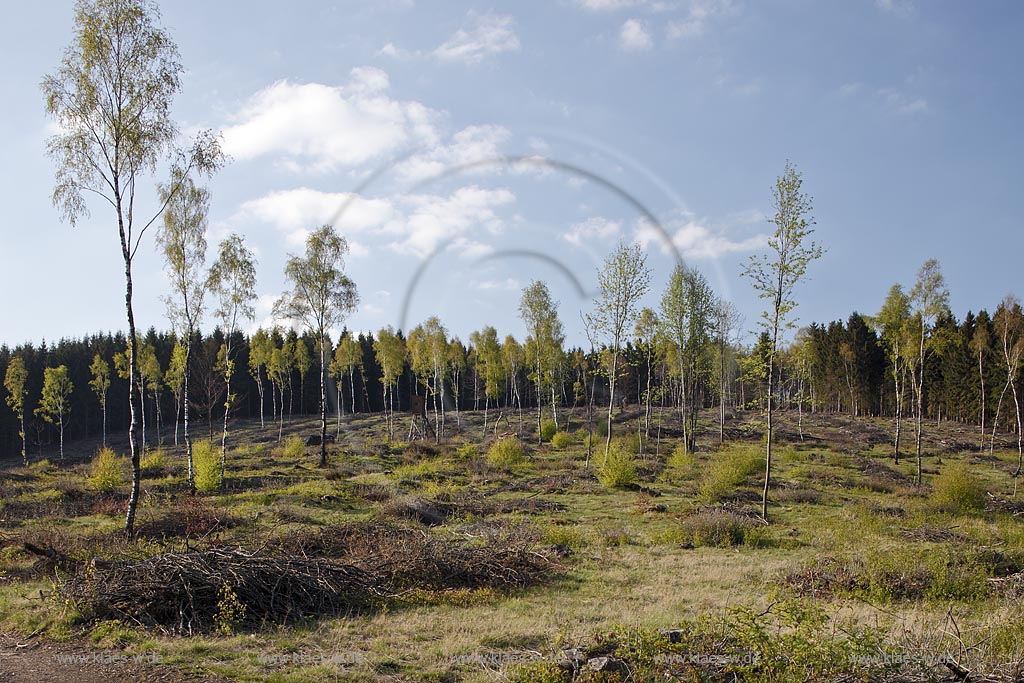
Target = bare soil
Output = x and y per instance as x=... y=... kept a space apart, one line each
x=36 y=661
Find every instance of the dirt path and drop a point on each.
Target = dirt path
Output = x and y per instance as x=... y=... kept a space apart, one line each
x=42 y=662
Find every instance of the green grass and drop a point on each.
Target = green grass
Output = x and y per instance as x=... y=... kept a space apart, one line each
x=685 y=553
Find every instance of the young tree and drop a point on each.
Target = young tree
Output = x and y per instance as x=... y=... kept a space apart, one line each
x=456 y=361
x=622 y=281
x=100 y=383
x=302 y=361
x=512 y=358
x=727 y=321
x=389 y=348
x=182 y=240
x=980 y=346
x=153 y=375
x=645 y=333
x=929 y=299
x=688 y=309
x=539 y=312
x=489 y=365
x=55 y=403
x=321 y=297
x=894 y=326
x=111 y=97
x=174 y=378
x=775 y=277
x=348 y=357
x=233 y=281
x=14 y=382
x=278 y=370
x=1009 y=324
x=260 y=349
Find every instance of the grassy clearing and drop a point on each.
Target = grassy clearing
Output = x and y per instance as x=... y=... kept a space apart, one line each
x=670 y=541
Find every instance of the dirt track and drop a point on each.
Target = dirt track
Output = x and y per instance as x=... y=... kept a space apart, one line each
x=38 y=662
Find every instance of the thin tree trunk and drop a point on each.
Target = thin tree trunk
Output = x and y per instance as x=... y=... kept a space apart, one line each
x=185 y=432
x=323 y=400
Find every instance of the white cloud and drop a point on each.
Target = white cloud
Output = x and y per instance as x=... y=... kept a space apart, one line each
x=608 y=5
x=634 y=37
x=508 y=284
x=432 y=220
x=904 y=7
x=699 y=13
x=488 y=35
x=592 y=229
x=901 y=102
x=469 y=145
x=296 y=212
x=697 y=241
x=320 y=127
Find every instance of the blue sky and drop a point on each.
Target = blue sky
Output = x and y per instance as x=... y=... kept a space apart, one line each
x=903 y=116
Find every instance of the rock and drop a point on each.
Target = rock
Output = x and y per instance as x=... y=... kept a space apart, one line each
x=609 y=664
x=572 y=660
x=674 y=635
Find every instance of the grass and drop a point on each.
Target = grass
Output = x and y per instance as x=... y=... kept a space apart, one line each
x=685 y=553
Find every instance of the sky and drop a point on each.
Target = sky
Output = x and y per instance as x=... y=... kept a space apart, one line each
x=465 y=149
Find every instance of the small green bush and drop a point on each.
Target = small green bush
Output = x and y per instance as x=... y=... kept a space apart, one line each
x=294 y=447
x=547 y=430
x=562 y=440
x=506 y=453
x=468 y=451
x=729 y=469
x=108 y=471
x=601 y=426
x=682 y=458
x=722 y=529
x=618 y=469
x=957 y=490
x=154 y=462
x=206 y=465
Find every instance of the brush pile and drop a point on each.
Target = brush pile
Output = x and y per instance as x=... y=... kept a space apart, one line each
x=192 y=592
x=337 y=570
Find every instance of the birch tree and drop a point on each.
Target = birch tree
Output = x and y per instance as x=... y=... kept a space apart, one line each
x=55 y=403
x=14 y=381
x=182 y=241
x=321 y=297
x=111 y=97
x=539 y=312
x=980 y=345
x=174 y=378
x=348 y=357
x=893 y=322
x=928 y=299
x=1009 y=326
x=775 y=277
x=623 y=281
x=688 y=323
x=232 y=281
x=389 y=349
x=260 y=349
x=100 y=384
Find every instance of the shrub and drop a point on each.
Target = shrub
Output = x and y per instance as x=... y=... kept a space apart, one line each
x=601 y=426
x=717 y=528
x=206 y=465
x=682 y=458
x=957 y=490
x=729 y=469
x=617 y=470
x=154 y=462
x=293 y=447
x=562 y=440
x=467 y=451
x=547 y=430
x=506 y=453
x=108 y=471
